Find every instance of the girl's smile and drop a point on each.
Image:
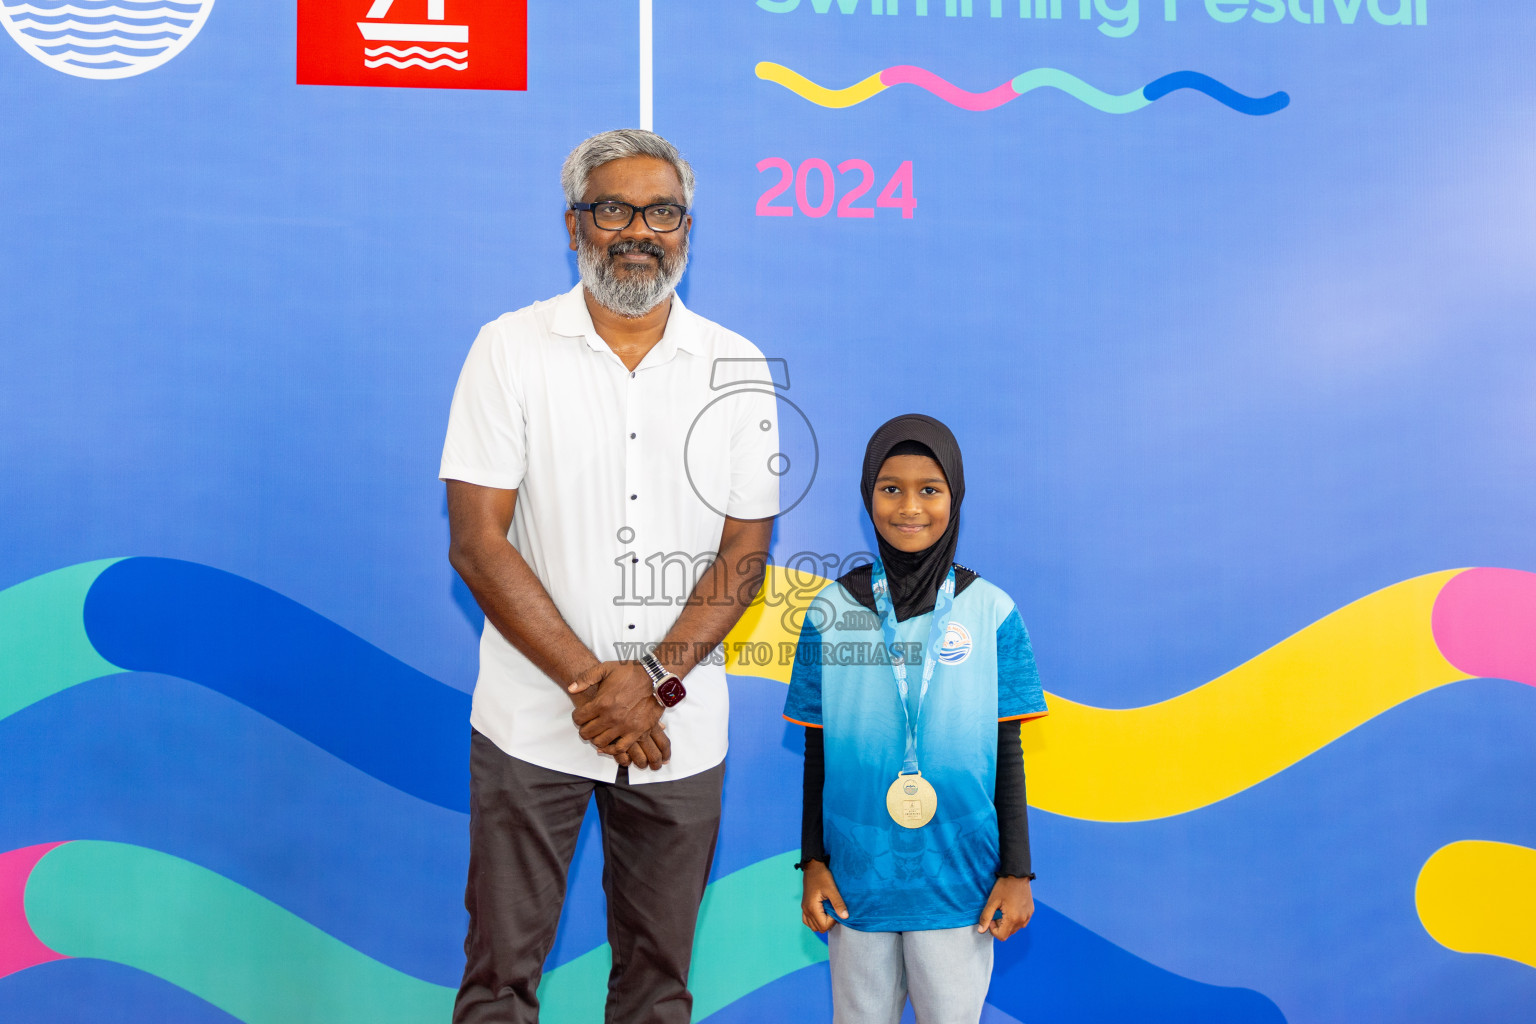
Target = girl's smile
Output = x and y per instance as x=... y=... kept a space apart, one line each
x=910 y=505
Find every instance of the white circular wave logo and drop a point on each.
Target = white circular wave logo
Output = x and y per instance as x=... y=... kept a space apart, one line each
x=103 y=38
x=956 y=645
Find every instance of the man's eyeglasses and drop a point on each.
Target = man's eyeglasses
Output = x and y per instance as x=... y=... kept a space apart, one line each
x=612 y=215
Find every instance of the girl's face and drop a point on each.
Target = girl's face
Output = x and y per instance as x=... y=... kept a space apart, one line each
x=911 y=502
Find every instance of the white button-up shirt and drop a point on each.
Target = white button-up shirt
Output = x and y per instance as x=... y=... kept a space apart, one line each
x=624 y=480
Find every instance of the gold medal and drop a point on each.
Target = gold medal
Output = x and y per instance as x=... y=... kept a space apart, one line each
x=911 y=801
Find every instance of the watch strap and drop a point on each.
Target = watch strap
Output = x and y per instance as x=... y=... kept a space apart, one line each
x=653 y=668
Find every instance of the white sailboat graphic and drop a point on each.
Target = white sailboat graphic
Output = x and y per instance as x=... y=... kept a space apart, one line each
x=435 y=30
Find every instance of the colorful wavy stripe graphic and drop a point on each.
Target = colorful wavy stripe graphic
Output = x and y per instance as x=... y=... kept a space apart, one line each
x=163 y=763
x=247 y=642
x=303 y=671
x=254 y=646
x=263 y=965
x=1039 y=78
x=330 y=872
x=213 y=938
x=1480 y=897
x=1243 y=727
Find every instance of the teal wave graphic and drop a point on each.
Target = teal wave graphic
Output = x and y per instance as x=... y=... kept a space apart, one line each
x=258 y=962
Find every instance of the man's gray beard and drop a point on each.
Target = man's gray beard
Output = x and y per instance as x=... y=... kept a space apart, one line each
x=627 y=294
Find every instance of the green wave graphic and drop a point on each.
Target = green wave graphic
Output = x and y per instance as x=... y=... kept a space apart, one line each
x=263 y=964
x=1052 y=78
x=43 y=646
x=216 y=939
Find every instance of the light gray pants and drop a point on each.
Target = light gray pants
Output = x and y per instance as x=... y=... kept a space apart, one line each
x=945 y=971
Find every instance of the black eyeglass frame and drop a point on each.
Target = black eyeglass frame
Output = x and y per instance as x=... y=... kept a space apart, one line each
x=643 y=211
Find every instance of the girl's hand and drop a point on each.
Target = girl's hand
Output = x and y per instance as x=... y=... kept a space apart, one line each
x=820 y=886
x=1013 y=897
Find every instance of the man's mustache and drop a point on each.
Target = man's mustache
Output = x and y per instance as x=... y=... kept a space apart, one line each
x=636 y=245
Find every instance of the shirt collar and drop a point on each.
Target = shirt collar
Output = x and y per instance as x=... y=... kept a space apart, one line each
x=573 y=320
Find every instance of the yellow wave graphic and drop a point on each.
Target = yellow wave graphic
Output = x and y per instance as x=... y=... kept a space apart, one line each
x=1479 y=897
x=820 y=94
x=1246 y=725
x=1214 y=741
x=770 y=622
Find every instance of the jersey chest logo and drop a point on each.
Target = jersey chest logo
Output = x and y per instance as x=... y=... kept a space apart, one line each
x=956 y=645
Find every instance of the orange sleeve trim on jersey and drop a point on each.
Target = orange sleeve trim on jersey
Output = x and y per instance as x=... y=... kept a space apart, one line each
x=797 y=721
x=1025 y=718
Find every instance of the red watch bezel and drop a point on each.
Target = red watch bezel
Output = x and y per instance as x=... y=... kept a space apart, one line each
x=670 y=691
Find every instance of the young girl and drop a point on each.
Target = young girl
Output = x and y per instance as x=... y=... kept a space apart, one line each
x=913 y=675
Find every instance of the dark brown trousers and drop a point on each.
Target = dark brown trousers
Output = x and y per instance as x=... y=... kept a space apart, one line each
x=658 y=842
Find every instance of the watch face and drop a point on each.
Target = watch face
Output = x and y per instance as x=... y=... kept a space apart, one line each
x=671 y=691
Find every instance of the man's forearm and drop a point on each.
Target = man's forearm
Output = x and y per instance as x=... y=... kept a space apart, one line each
x=516 y=603
x=720 y=597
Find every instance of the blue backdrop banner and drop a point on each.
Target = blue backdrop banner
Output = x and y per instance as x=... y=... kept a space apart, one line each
x=1229 y=303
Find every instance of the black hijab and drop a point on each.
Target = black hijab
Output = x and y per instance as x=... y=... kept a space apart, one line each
x=915 y=576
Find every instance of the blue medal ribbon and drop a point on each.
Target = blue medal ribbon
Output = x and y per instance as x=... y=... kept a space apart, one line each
x=942 y=606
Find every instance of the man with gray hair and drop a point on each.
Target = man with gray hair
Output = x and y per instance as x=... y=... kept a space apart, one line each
x=570 y=456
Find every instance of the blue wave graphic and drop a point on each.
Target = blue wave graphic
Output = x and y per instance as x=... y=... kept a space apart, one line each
x=1058 y=972
x=1054 y=972
x=291 y=664
x=1218 y=91
x=166 y=764
x=98 y=63
x=76 y=991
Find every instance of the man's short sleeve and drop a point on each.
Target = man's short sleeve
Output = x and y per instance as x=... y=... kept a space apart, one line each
x=487 y=433
x=754 y=455
x=803 y=703
x=1018 y=681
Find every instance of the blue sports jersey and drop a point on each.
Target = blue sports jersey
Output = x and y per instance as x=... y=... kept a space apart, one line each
x=937 y=876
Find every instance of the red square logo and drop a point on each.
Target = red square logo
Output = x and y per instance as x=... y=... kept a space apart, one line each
x=414 y=44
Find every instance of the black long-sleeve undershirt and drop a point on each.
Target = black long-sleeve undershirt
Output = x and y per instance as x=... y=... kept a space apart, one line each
x=1008 y=797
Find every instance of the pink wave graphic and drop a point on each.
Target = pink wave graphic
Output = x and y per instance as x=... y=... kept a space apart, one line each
x=20 y=947
x=1485 y=624
x=907 y=74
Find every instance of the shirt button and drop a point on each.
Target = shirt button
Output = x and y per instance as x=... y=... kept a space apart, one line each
x=631 y=437
x=631 y=625
x=632 y=497
x=633 y=559
x=631 y=373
